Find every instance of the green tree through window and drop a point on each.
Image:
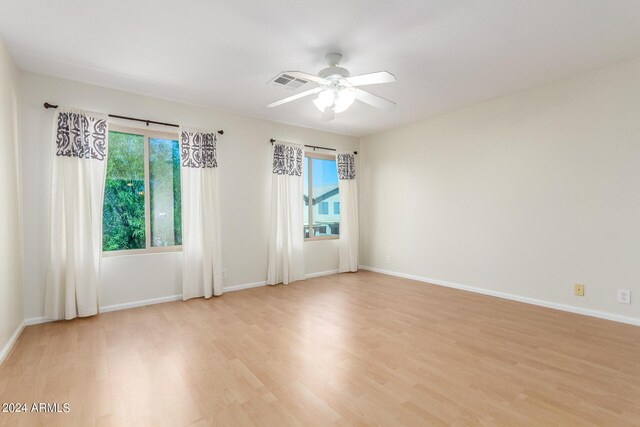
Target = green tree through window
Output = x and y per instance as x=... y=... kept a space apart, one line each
x=125 y=206
x=123 y=225
x=164 y=183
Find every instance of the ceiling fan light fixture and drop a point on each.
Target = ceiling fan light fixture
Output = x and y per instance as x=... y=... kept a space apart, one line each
x=339 y=99
x=325 y=99
x=345 y=98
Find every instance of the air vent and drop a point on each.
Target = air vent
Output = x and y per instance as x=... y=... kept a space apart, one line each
x=289 y=82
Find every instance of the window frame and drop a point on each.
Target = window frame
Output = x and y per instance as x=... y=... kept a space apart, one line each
x=146 y=133
x=314 y=155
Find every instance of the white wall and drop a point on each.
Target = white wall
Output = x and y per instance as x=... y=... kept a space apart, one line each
x=525 y=194
x=11 y=305
x=244 y=157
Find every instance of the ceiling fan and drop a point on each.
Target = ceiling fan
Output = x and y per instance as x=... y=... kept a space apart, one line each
x=336 y=90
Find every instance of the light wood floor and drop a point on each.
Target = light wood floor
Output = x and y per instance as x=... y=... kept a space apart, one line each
x=345 y=349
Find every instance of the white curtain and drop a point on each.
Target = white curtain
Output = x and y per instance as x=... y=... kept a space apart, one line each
x=348 y=188
x=77 y=193
x=286 y=232
x=202 y=257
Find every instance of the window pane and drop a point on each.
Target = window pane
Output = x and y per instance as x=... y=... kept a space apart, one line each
x=164 y=186
x=123 y=214
x=305 y=190
x=324 y=182
x=336 y=208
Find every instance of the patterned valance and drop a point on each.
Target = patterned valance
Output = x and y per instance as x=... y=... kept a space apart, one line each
x=346 y=166
x=80 y=134
x=198 y=149
x=287 y=160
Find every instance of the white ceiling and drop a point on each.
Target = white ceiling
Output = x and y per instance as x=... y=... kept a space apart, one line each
x=445 y=53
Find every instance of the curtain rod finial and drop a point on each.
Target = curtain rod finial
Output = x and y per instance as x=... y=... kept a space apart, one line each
x=221 y=132
x=272 y=140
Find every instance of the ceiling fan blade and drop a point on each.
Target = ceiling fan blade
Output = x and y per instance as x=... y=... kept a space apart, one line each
x=373 y=100
x=307 y=76
x=294 y=97
x=371 y=79
x=328 y=114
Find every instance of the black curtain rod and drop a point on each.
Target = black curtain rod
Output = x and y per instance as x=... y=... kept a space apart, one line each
x=115 y=116
x=313 y=146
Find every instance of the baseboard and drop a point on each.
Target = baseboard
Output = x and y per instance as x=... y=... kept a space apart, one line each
x=320 y=273
x=113 y=307
x=504 y=295
x=141 y=303
x=244 y=286
x=258 y=284
x=36 y=321
x=12 y=341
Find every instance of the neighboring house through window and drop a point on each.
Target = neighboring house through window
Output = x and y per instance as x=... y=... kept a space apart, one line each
x=321 y=182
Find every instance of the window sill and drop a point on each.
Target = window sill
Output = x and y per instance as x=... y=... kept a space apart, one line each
x=154 y=250
x=318 y=238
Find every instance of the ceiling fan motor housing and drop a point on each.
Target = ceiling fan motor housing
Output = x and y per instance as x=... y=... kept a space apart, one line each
x=334 y=73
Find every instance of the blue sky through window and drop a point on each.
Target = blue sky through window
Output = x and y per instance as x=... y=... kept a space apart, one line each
x=324 y=173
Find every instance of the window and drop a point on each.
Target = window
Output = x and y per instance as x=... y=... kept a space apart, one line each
x=321 y=187
x=336 y=208
x=142 y=210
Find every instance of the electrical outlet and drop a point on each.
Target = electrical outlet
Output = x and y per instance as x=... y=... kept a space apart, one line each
x=578 y=290
x=388 y=260
x=224 y=273
x=624 y=296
